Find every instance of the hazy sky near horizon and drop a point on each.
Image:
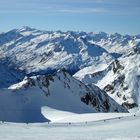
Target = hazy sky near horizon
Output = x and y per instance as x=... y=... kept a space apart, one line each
x=122 y=16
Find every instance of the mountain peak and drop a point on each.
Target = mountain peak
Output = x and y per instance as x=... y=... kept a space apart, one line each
x=26 y=28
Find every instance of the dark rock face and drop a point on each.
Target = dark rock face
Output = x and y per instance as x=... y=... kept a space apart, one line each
x=108 y=87
x=117 y=66
x=91 y=99
x=129 y=105
x=106 y=104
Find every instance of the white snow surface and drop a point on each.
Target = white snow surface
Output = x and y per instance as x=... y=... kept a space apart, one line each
x=59 y=116
x=125 y=128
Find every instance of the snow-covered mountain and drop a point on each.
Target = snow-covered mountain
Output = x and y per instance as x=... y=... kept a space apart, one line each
x=23 y=102
x=116 y=44
x=36 y=51
x=107 y=60
x=41 y=51
x=121 y=79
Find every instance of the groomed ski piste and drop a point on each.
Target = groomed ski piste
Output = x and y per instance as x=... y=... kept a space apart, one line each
x=70 y=126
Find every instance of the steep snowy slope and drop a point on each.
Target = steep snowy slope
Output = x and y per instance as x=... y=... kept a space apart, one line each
x=22 y=105
x=62 y=86
x=121 y=80
x=24 y=102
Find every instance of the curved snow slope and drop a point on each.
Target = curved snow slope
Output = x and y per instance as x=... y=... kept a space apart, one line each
x=59 y=116
x=76 y=118
x=24 y=105
x=27 y=105
x=55 y=115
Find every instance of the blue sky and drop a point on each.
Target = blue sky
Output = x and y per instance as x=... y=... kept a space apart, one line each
x=122 y=16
